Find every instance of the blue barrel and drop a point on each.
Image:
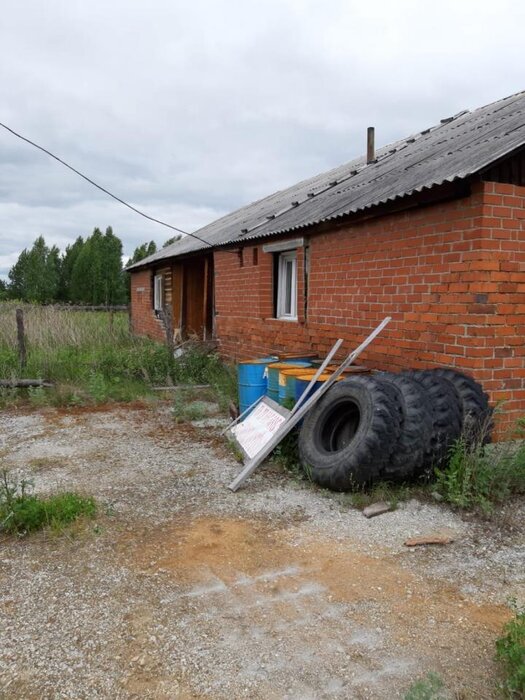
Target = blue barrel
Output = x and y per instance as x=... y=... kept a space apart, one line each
x=252 y=380
x=273 y=375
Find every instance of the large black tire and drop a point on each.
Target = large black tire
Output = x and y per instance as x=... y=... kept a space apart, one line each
x=348 y=436
x=414 y=443
x=446 y=417
x=477 y=414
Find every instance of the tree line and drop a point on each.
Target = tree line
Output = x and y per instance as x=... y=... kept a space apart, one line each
x=90 y=271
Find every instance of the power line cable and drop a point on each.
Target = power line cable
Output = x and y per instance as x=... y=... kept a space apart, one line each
x=103 y=189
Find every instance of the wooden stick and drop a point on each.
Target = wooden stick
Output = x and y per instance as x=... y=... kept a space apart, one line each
x=21 y=383
x=22 y=355
x=292 y=420
x=246 y=410
x=173 y=387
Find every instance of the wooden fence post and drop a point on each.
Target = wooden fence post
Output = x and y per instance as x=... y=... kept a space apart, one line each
x=21 y=338
x=168 y=326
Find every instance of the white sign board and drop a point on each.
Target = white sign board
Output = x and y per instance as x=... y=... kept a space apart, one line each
x=259 y=426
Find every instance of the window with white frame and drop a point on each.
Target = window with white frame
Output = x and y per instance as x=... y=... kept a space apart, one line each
x=158 y=292
x=287 y=286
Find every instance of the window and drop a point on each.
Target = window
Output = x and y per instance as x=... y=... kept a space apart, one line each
x=158 y=292
x=287 y=286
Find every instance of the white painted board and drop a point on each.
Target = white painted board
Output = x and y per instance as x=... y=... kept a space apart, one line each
x=259 y=426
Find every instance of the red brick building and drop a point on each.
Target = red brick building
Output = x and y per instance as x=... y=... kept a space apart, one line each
x=429 y=230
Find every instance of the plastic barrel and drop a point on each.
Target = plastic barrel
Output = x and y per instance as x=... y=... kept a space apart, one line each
x=302 y=381
x=287 y=379
x=252 y=380
x=273 y=375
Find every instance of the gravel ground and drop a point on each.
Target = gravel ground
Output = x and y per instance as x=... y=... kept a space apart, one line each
x=181 y=589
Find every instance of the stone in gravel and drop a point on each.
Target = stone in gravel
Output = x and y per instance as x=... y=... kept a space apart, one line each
x=376 y=509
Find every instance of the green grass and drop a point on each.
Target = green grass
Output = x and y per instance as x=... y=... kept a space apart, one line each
x=197 y=366
x=92 y=359
x=188 y=407
x=510 y=651
x=22 y=512
x=482 y=476
x=429 y=688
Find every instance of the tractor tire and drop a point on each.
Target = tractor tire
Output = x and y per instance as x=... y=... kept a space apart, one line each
x=477 y=414
x=348 y=436
x=414 y=443
x=446 y=417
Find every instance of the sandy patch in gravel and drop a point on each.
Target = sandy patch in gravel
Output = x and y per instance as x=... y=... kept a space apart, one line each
x=181 y=589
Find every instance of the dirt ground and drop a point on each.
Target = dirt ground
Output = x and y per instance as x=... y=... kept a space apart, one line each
x=181 y=589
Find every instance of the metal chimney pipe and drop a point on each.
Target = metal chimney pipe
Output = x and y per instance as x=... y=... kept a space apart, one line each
x=370 y=145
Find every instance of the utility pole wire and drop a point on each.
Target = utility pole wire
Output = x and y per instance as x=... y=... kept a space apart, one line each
x=102 y=189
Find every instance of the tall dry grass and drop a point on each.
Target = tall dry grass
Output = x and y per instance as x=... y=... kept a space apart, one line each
x=91 y=356
x=48 y=327
x=92 y=353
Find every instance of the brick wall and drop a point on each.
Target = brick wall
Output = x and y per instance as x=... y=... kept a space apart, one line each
x=451 y=275
x=143 y=319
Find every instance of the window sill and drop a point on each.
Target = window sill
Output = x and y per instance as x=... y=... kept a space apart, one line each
x=286 y=319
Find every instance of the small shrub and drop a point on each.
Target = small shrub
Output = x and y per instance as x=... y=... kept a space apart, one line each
x=429 y=688
x=480 y=475
x=510 y=650
x=186 y=409
x=286 y=454
x=22 y=512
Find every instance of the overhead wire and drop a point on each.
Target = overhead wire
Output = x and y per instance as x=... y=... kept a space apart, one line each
x=103 y=189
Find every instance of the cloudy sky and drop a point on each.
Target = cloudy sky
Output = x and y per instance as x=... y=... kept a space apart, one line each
x=189 y=110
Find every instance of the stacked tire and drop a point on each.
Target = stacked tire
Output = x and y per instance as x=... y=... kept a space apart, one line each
x=391 y=426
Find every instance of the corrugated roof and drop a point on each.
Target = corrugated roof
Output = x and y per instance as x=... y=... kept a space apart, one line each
x=454 y=149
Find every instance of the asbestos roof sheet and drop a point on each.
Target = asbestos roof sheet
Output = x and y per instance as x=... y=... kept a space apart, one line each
x=454 y=149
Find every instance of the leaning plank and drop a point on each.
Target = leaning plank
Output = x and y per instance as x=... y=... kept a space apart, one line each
x=294 y=418
x=317 y=374
x=21 y=383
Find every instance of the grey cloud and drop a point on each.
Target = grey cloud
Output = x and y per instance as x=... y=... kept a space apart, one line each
x=191 y=110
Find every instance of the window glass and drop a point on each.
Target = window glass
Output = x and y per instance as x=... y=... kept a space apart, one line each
x=287 y=286
x=158 y=293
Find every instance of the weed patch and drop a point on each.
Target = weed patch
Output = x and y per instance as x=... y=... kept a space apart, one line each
x=429 y=688
x=286 y=455
x=22 y=512
x=196 y=366
x=480 y=475
x=186 y=408
x=510 y=651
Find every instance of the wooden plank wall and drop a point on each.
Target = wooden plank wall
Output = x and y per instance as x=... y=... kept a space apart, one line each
x=510 y=171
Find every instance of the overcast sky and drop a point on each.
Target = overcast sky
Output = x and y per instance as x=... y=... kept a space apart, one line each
x=191 y=109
